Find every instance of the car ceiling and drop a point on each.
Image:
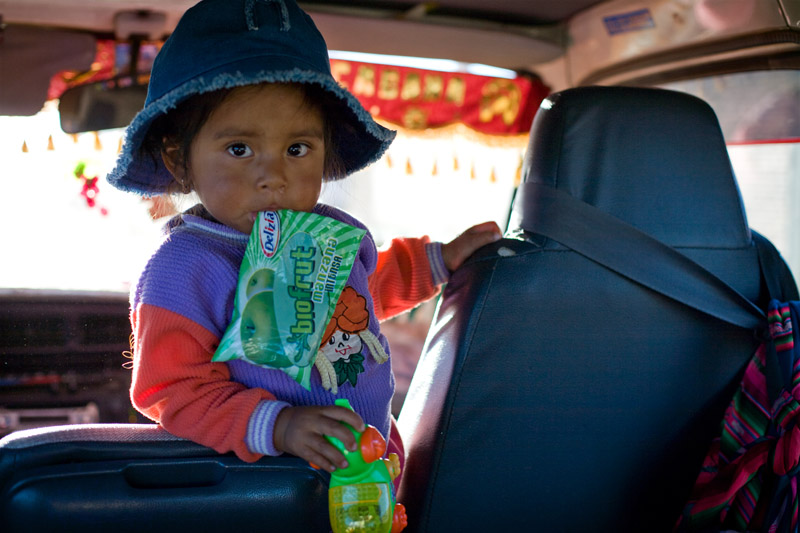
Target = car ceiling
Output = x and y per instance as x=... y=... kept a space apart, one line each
x=507 y=33
x=99 y=13
x=514 y=34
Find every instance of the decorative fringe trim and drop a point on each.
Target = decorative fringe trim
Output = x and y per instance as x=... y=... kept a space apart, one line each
x=374 y=345
x=507 y=140
x=326 y=373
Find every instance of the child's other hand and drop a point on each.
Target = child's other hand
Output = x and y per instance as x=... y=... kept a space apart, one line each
x=456 y=251
x=301 y=431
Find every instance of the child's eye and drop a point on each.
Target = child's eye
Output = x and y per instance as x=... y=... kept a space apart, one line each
x=239 y=150
x=298 y=150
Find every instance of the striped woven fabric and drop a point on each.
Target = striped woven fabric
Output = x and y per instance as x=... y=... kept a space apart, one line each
x=728 y=490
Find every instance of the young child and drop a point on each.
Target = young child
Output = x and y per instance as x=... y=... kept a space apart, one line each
x=242 y=109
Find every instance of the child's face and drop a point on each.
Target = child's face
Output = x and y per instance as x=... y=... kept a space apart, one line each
x=262 y=149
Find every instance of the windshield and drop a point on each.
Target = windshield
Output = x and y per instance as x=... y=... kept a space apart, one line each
x=68 y=231
x=85 y=235
x=759 y=113
x=61 y=230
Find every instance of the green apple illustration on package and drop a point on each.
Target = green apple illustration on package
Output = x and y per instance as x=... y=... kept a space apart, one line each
x=295 y=266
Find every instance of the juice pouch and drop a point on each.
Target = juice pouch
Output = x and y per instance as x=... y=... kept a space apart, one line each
x=293 y=271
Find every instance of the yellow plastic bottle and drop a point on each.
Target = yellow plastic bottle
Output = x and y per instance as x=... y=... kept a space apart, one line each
x=361 y=497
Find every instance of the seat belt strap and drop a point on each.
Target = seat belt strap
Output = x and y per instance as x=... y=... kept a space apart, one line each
x=632 y=253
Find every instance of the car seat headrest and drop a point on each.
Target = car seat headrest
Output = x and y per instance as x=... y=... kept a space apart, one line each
x=652 y=157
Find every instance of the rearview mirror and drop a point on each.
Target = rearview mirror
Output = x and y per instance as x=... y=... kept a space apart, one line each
x=100 y=106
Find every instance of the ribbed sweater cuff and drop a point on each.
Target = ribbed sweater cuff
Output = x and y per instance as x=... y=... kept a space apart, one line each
x=259 y=438
x=439 y=271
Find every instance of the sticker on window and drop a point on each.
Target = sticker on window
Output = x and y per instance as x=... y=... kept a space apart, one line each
x=625 y=22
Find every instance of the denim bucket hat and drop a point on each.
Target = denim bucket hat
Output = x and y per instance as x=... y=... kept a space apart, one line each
x=230 y=43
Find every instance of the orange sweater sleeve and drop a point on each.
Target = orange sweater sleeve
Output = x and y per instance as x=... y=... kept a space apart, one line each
x=402 y=278
x=176 y=384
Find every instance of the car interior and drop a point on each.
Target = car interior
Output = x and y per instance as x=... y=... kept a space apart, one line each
x=574 y=372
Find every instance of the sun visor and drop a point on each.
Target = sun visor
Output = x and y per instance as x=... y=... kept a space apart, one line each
x=29 y=57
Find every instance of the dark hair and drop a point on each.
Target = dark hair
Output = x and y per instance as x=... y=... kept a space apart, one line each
x=179 y=126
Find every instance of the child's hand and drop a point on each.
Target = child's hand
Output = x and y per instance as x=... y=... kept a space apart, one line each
x=456 y=251
x=301 y=431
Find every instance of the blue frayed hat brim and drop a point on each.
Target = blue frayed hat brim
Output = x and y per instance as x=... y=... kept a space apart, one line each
x=360 y=145
x=360 y=140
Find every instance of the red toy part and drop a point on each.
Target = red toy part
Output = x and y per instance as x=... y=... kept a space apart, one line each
x=372 y=444
x=400 y=519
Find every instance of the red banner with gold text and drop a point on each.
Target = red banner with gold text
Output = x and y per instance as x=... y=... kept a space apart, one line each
x=411 y=98
x=418 y=99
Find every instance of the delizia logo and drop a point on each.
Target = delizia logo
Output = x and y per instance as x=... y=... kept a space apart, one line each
x=269 y=229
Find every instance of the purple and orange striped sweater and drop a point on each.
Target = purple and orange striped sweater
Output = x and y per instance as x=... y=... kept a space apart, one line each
x=183 y=303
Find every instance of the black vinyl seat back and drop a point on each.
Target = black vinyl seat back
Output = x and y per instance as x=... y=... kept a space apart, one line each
x=138 y=477
x=554 y=394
